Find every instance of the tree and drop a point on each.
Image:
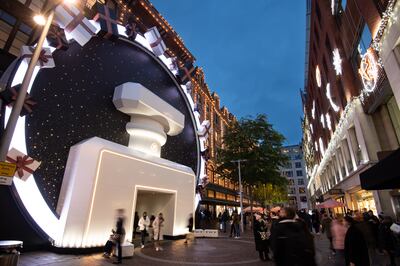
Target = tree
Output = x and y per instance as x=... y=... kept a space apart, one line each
x=257 y=142
x=271 y=194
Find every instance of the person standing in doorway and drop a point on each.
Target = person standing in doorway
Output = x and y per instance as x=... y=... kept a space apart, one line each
x=158 y=224
x=144 y=223
x=119 y=234
x=135 y=224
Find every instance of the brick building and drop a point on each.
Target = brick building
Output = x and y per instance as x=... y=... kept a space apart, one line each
x=351 y=104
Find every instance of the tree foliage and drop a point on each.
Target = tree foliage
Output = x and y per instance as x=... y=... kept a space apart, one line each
x=271 y=194
x=259 y=144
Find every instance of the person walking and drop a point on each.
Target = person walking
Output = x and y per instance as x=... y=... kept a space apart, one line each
x=158 y=224
x=190 y=227
x=224 y=219
x=261 y=236
x=326 y=223
x=355 y=246
x=338 y=230
x=291 y=242
x=235 y=225
x=387 y=240
x=144 y=223
x=119 y=234
x=316 y=221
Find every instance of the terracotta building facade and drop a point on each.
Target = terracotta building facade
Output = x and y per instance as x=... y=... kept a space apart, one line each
x=351 y=103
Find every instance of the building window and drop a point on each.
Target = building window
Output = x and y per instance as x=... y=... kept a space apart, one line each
x=343 y=3
x=299 y=173
x=289 y=173
x=292 y=201
x=302 y=190
x=365 y=40
x=300 y=181
x=291 y=182
x=291 y=190
x=298 y=164
x=210 y=193
x=303 y=199
x=230 y=197
x=220 y=195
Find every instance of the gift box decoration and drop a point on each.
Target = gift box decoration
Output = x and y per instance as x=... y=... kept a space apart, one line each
x=107 y=19
x=25 y=164
x=156 y=43
x=189 y=87
x=72 y=20
x=45 y=57
x=56 y=38
x=204 y=129
x=10 y=95
x=131 y=30
x=173 y=66
x=186 y=72
x=205 y=154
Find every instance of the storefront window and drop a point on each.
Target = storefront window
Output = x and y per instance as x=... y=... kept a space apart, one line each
x=363 y=199
x=210 y=193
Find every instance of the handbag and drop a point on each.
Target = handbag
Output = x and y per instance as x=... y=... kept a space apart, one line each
x=264 y=235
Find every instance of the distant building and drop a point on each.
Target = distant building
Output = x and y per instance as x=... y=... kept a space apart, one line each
x=295 y=172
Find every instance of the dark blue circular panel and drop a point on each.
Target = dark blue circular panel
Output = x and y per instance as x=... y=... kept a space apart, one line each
x=74 y=103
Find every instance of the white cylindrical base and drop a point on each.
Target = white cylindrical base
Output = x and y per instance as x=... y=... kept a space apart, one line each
x=147 y=135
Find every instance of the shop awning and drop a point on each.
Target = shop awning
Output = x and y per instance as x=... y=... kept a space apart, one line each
x=383 y=175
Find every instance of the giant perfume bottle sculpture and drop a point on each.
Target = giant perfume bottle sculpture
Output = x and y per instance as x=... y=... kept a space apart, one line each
x=102 y=176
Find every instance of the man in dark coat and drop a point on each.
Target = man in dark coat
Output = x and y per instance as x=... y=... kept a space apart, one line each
x=261 y=236
x=355 y=246
x=291 y=241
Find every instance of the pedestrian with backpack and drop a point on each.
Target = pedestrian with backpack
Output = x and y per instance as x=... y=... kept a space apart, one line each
x=291 y=242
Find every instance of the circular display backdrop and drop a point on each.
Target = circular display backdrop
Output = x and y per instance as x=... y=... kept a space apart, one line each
x=74 y=103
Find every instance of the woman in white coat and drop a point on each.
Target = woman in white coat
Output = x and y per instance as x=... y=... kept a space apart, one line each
x=158 y=232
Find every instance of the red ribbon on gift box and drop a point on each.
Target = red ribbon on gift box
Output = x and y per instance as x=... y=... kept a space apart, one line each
x=207 y=131
x=157 y=42
x=108 y=20
x=76 y=21
x=188 y=73
x=28 y=103
x=22 y=162
x=43 y=57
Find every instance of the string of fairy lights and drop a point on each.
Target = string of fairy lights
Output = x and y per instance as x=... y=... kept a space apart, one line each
x=369 y=72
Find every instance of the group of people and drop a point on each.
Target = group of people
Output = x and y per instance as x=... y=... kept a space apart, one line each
x=153 y=227
x=361 y=238
x=356 y=239
x=147 y=225
x=281 y=235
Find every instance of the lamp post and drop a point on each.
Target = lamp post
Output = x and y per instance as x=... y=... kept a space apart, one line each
x=16 y=110
x=19 y=102
x=240 y=193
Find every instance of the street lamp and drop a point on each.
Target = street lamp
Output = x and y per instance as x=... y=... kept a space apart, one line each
x=240 y=192
x=19 y=102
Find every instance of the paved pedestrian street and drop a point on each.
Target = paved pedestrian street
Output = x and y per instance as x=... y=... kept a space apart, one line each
x=205 y=251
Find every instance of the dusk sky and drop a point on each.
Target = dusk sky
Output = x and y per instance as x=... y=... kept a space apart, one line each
x=252 y=53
